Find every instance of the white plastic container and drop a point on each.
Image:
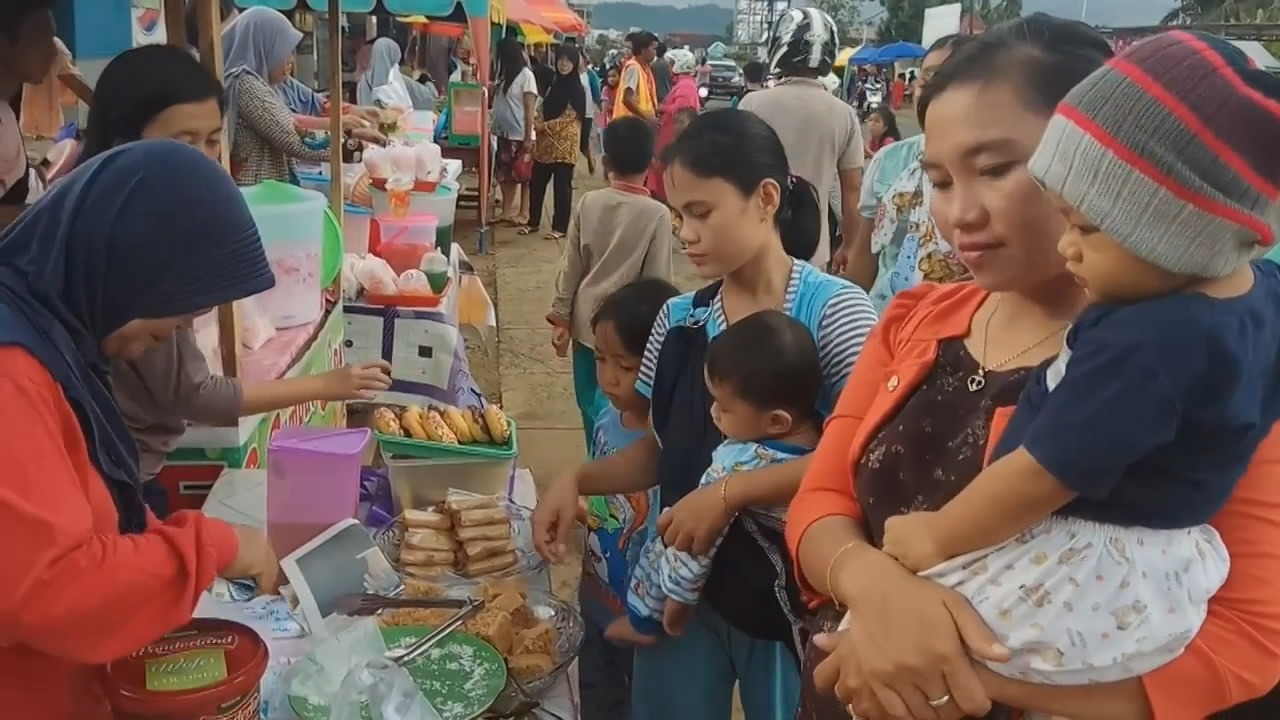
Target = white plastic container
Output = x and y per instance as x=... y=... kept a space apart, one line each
x=419 y=483
x=355 y=229
x=291 y=223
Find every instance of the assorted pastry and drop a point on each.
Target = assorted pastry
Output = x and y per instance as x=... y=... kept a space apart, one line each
x=446 y=424
x=507 y=622
x=468 y=535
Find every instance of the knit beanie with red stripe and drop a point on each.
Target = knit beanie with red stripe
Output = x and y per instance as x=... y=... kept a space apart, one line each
x=1173 y=149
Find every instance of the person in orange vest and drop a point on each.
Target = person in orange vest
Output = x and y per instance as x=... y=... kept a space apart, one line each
x=639 y=92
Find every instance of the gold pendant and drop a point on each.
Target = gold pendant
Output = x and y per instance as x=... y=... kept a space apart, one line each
x=977 y=382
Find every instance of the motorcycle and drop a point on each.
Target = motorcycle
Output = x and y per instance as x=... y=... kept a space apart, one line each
x=874 y=99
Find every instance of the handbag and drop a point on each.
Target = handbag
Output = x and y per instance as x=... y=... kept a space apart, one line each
x=522 y=167
x=558 y=139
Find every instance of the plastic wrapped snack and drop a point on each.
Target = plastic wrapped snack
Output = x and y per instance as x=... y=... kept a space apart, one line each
x=255 y=327
x=403 y=161
x=377 y=162
x=376 y=276
x=413 y=282
x=429 y=162
x=350 y=284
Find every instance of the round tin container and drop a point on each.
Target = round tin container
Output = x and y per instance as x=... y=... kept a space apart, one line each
x=206 y=670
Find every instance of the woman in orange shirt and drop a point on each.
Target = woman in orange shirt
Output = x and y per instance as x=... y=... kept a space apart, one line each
x=118 y=256
x=912 y=429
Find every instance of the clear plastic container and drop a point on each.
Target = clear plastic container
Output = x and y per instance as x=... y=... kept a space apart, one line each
x=291 y=222
x=405 y=241
x=355 y=229
x=443 y=203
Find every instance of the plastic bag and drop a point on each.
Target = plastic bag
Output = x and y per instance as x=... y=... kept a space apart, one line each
x=387 y=689
x=393 y=94
x=255 y=327
x=414 y=282
x=350 y=284
x=376 y=276
x=317 y=677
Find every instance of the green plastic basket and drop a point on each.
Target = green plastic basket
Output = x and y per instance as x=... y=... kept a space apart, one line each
x=427 y=450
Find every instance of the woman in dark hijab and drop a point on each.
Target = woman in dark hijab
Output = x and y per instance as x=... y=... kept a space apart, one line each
x=556 y=144
x=119 y=255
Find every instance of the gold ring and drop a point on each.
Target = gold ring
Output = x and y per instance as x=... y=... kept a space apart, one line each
x=939 y=702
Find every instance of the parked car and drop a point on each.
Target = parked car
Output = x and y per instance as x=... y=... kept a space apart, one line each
x=725 y=82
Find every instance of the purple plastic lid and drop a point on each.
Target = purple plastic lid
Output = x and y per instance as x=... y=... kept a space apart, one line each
x=338 y=442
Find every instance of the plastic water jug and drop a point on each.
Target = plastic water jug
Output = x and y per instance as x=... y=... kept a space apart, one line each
x=291 y=222
x=313 y=481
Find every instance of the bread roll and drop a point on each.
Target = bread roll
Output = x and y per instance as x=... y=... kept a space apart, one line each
x=484 y=532
x=460 y=503
x=427 y=519
x=527 y=668
x=481 y=549
x=481 y=516
x=428 y=539
x=409 y=556
x=494 y=564
x=425 y=572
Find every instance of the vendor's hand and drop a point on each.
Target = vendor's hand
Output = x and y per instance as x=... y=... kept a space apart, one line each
x=255 y=560
x=555 y=516
x=370 y=114
x=370 y=135
x=358 y=381
x=909 y=641
x=560 y=341
x=351 y=121
x=912 y=540
x=695 y=522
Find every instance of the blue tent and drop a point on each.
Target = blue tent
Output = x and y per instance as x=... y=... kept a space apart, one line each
x=866 y=55
x=893 y=52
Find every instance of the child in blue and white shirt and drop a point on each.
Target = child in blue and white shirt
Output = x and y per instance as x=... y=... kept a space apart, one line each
x=765 y=377
x=617 y=525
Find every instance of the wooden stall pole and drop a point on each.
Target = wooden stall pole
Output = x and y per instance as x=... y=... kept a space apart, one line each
x=335 y=108
x=209 y=24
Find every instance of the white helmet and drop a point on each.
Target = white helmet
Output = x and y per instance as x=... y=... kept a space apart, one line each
x=803 y=38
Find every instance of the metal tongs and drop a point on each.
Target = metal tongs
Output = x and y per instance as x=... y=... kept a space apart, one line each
x=364 y=604
x=418 y=649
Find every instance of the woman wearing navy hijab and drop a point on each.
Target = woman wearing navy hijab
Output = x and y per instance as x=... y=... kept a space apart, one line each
x=120 y=254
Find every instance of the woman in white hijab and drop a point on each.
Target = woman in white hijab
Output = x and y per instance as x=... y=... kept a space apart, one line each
x=384 y=74
x=258 y=48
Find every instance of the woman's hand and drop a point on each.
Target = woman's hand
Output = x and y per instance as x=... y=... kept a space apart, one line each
x=554 y=517
x=255 y=560
x=905 y=653
x=352 y=121
x=358 y=381
x=695 y=522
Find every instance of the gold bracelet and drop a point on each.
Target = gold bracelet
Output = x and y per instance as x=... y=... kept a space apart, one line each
x=831 y=566
x=724 y=495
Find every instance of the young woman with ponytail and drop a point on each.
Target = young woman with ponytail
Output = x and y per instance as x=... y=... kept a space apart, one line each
x=745 y=219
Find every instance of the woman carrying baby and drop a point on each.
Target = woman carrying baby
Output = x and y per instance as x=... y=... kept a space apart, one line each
x=930 y=405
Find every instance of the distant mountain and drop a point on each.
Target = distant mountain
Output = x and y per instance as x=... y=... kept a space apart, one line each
x=661 y=19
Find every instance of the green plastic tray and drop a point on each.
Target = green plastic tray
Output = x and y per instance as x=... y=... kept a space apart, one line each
x=427 y=450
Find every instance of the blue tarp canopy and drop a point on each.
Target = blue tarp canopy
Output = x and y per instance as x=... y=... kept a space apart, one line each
x=893 y=52
x=865 y=55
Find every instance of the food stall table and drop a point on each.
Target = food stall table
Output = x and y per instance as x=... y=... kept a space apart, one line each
x=240 y=496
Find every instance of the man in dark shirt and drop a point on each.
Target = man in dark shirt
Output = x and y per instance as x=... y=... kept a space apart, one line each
x=661 y=73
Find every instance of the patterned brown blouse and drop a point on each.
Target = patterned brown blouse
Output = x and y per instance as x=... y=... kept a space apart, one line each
x=933 y=448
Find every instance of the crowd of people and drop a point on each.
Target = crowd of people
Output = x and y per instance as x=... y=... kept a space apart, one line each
x=1037 y=486
x=1008 y=448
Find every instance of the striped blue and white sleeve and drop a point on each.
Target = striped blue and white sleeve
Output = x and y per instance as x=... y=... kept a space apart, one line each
x=649 y=362
x=847 y=319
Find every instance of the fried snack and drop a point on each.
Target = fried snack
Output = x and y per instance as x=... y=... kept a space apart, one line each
x=475 y=421
x=481 y=516
x=489 y=565
x=495 y=421
x=427 y=519
x=425 y=572
x=492 y=590
x=458 y=503
x=385 y=421
x=410 y=556
x=411 y=617
x=527 y=668
x=457 y=423
x=537 y=640
x=418 y=589
x=483 y=532
x=437 y=429
x=507 y=602
x=428 y=539
x=481 y=549
x=414 y=423
x=494 y=627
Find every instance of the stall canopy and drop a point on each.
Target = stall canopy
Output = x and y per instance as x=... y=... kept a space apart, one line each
x=558 y=13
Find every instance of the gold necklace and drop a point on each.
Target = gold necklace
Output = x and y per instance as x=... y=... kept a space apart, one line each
x=978 y=380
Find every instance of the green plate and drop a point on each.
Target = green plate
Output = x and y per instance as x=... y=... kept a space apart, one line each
x=462 y=676
x=401 y=446
x=331 y=254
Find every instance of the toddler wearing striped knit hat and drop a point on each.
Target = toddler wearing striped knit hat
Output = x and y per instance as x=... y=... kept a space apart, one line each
x=1085 y=544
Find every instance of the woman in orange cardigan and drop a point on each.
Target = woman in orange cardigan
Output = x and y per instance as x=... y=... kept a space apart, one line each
x=911 y=430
